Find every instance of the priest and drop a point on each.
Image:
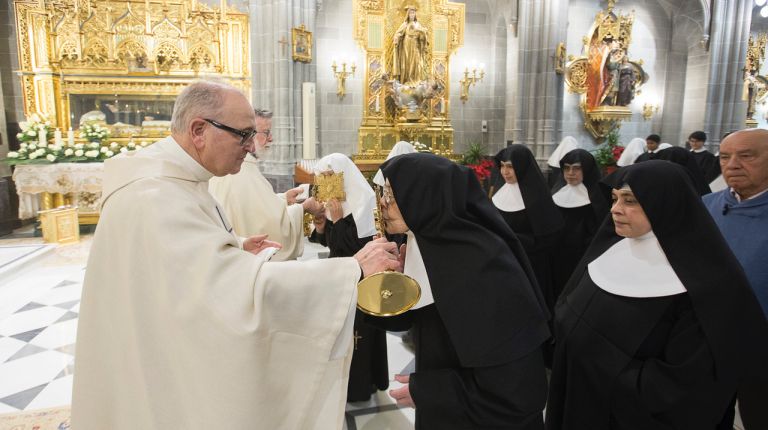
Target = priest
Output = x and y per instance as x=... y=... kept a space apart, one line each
x=251 y=205
x=185 y=325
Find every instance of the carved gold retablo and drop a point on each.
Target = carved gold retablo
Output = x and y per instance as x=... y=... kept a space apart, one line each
x=330 y=186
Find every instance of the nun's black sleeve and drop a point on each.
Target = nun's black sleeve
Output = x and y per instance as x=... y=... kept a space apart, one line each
x=487 y=397
x=342 y=238
x=321 y=238
x=681 y=367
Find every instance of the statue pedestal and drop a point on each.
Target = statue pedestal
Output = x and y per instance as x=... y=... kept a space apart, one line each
x=601 y=120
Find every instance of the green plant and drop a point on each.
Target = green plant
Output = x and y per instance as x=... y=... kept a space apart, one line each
x=474 y=153
x=608 y=153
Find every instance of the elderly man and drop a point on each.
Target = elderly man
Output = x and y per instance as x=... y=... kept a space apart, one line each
x=741 y=212
x=186 y=326
x=251 y=205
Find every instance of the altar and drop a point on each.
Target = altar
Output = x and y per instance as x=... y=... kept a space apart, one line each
x=48 y=186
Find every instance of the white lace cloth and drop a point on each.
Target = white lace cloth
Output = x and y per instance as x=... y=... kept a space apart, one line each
x=82 y=180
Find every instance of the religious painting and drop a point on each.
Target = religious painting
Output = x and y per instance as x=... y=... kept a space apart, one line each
x=301 y=40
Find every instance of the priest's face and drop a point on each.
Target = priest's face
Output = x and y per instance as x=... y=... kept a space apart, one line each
x=222 y=151
x=394 y=222
x=508 y=172
x=628 y=216
x=573 y=174
x=263 y=136
x=744 y=161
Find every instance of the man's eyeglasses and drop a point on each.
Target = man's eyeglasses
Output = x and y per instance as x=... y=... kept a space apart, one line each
x=245 y=135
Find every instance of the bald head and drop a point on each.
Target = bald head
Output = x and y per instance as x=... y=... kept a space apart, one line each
x=744 y=161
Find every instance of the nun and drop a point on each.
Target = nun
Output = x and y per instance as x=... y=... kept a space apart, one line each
x=568 y=144
x=584 y=206
x=686 y=159
x=346 y=228
x=658 y=324
x=480 y=323
x=400 y=148
x=634 y=149
x=525 y=202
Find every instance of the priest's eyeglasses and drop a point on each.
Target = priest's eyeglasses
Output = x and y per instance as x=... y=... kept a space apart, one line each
x=245 y=135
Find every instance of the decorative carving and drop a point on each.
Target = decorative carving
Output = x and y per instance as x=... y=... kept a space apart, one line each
x=755 y=84
x=606 y=78
x=114 y=46
x=418 y=110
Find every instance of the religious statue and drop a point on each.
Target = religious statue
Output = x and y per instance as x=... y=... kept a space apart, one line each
x=752 y=86
x=627 y=79
x=410 y=96
x=409 y=65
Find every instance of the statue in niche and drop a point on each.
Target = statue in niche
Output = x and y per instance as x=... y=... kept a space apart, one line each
x=604 y=61
x=627 y=80
x=410 y=50
x=753 y=85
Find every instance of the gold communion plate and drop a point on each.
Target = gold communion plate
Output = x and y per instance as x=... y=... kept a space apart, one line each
x=386 y=294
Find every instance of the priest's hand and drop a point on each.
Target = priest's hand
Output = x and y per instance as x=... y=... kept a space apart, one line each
x=258 y=243
x=377 y=256
x=335 y=210
x=313 y=207
x=292 y=194
x=402 y=395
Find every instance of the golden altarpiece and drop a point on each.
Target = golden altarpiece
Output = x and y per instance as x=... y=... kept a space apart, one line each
x=605 y=76
x=407 y=45
x=122 y=62
x=755 y=84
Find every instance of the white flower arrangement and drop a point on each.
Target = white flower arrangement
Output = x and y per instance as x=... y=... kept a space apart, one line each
x=34 y=125
x=37 y=153
x=94 y=132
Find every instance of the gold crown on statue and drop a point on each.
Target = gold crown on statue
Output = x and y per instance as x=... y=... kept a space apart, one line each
x=330 y=186
x=406 y=8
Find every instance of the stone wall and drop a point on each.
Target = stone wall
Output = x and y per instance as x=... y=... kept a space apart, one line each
x=10 y=86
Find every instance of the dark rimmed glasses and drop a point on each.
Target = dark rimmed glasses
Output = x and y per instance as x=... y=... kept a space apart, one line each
x=245 y=135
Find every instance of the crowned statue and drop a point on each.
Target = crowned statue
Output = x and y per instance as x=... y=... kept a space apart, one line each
x=409 y=63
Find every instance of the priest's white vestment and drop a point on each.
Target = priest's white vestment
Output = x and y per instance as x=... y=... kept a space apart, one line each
x=181 y=329
x=251 y=205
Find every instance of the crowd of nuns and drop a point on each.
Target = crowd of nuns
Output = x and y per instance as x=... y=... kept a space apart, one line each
x=622 y=286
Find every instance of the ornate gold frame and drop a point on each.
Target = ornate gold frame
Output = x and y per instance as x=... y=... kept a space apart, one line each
x=136 y=47
x=301 y=38
x=600 y=120
x=375 y=23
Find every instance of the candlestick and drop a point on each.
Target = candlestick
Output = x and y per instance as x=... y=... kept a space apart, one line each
x=442 y=105
x=71 y=137
x=41 y=137
x=378 y=108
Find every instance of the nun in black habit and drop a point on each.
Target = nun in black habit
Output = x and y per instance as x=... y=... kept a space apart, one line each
x=685 y=158
x=658 y=324
x=525 y=202
x=583 y=205
x=347 y=227
x=480 y=323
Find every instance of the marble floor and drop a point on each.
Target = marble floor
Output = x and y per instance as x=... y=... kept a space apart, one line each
x=40 y=288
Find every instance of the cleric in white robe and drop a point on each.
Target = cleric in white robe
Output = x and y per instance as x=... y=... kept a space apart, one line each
x=183 y=325
x=251 y=205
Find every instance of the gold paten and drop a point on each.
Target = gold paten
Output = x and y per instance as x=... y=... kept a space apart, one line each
x=386 y=294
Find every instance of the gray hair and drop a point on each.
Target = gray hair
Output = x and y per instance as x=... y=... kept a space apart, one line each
x=201 y=99
x=263 y=113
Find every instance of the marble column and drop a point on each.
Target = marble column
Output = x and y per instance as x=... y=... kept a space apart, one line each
x=277 y=79
x=726 y=111
x=539 y=99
